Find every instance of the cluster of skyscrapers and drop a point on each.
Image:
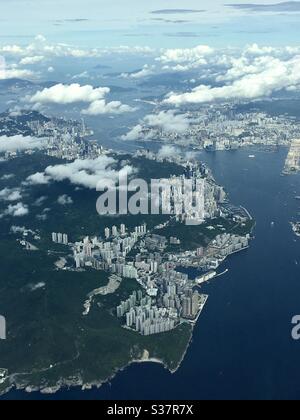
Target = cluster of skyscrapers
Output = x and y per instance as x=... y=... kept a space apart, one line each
x=226 y=244
x=292 y=164
x=221 y=126
x=61 y=138
x=166 y=297
x=60 y=238
x=170 y=300
x=144 y=317
x=110 y=253
x=193 y=196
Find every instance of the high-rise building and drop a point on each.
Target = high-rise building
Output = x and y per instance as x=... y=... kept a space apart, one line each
x=87 y=250
x=115 y=231
x=187 y=307
x=154 y=266
x=65 y=239
x=77 y=260
x=200 y=252
x=130 y=272
x=195 y=304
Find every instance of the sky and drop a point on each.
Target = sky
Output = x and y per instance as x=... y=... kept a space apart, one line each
x=123 y=65
x=200 y=50
x=159 y=23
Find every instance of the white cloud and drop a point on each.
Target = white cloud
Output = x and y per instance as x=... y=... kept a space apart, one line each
x=12 y=49
x=15 y=73
x=41 y=47
x=32 y=60
x=68 y=94
x=256 y=50
x=101 y=107
x=135 y=134
x=39 y=178
x=18 y=229
x=40 y=201
x=86 y=173
x=74 y=93
x=7 y=177
x=34 y=287
x=241 y=66
x=83 y=75
x=10 y=194
x=125 y=49
x=64 y=200
x=16 y=210
x=168 y=151
x=145 y=72
x=40 y=38
x=19 y=143
x=185 y=55
x=184 y=59
x=263 y=77
x=167 y=121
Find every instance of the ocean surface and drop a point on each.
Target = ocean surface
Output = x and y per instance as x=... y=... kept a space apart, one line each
x=242 y=346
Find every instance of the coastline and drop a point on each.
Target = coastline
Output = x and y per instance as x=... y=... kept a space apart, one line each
x=78 y=382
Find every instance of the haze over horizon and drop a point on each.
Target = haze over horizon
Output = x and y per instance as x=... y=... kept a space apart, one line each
x=98 y=23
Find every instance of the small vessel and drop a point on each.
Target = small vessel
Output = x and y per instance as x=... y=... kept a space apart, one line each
x=252 y=156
